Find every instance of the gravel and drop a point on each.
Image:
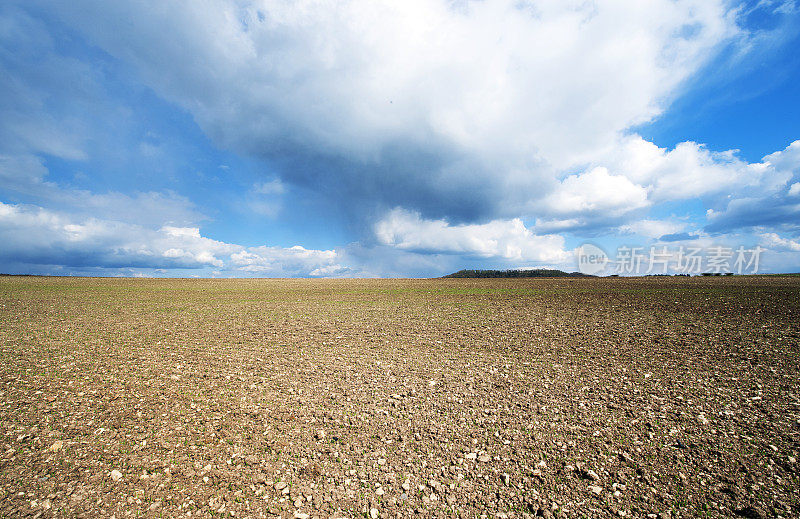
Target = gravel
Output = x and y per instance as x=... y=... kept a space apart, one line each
x=651 y=397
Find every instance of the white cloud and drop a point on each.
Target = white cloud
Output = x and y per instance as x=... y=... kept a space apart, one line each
x=653 y=228
x=190 y=232
x=38 y=236
x=295 y=260
x=500 y=95
x=506 y=239
x=787 y=159
x=596 y=192
x=773 y=241
x=691 y=170
x=331 y=271
x=44 y=96
x=26 y=175
x=273 y=187
x=264 y=198
x=455 y=111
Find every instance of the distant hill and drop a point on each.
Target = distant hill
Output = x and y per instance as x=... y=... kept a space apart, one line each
x=533 y=273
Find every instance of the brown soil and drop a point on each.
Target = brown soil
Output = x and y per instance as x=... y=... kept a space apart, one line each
x=657 y=397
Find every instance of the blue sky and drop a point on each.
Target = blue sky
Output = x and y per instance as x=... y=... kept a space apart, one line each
x=283 y=139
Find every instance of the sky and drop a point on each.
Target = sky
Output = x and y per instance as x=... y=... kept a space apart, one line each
x=311 y=138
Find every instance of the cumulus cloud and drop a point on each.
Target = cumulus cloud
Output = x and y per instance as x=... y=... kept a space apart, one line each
x=772 y=240
x=654 y=228
x=637 y=174
x=746 y=212
x=41 y=236
x=467 y=109
x=181 y=232
x=771 y=202
x=596 y=192
x=453 y=122
x=506 y=239
x=787 y=159
x=26 y=175
x=38 y=236
x=691 y=170
x=295 y=259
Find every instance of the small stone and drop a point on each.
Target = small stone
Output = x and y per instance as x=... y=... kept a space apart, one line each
x=57 y=446
x=471 y=455
x=320 y=435
x=484 y=458
x=116 y=475
x=595 y=489
x=373 y=513
x=280 y=485
x=406 y=485
x=506 y=479
x=749 y=512
x=300 y=515
x=592 y=475
x=380 y=491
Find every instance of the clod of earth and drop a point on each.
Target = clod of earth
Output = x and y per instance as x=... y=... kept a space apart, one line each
x=644 y=397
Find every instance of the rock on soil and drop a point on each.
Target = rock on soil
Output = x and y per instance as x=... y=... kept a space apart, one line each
x=517 y=398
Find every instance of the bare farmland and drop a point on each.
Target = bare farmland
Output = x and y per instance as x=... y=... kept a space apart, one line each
x=383 y=398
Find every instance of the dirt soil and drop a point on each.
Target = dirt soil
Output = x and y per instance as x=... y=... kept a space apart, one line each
x=649 y=397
